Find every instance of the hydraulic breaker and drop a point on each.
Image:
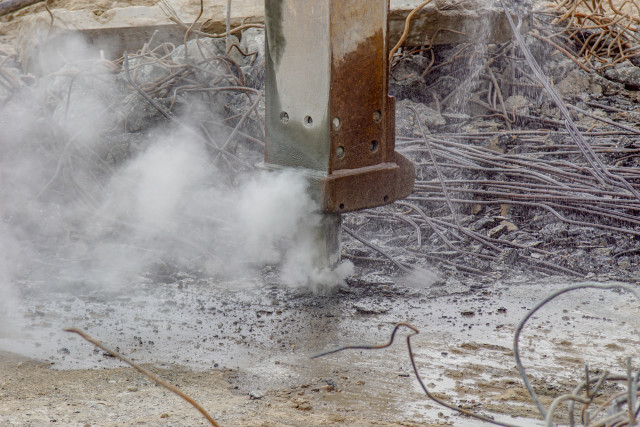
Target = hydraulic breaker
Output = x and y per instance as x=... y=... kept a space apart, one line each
x=328 y=112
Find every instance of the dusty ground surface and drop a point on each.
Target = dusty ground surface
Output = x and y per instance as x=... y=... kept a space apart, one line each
x=245 y=353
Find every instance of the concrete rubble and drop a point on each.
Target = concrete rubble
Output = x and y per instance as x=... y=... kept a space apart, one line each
x=117 y=30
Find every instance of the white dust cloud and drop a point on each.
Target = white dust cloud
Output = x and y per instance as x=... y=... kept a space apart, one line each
x=285 y=215
x=71 y=214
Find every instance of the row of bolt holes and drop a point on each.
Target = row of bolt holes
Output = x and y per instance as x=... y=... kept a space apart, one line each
x=337 y=123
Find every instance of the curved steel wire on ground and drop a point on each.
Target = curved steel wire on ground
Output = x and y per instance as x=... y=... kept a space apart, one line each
x=623 y=408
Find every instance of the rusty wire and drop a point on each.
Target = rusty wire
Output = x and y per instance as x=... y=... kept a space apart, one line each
x=145 y=372
x=407 y=26
x=414 y=331
x=180 y=80
x=171 y=13
x=603 y=33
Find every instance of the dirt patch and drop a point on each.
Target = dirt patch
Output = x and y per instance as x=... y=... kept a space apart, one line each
x=32 y=393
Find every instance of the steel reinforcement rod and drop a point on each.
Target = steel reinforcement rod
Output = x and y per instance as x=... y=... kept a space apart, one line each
x=603 y=174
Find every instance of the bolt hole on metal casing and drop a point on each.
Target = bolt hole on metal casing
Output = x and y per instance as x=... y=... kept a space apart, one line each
x=337 y=123
x=308 y=121
x=340 y=152
x=373 y=146
x=377 y=116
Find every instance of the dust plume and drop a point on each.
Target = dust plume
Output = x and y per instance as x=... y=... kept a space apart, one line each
x=96 y=190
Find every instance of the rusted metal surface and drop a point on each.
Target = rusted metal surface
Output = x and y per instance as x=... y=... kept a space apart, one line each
x=327 y=105
x=364 y=169
x=368 y=187
x=359 y=72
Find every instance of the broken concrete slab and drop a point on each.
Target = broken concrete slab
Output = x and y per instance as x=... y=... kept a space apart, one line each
x=406 y=121
x=117 y=30
x=112 y=32
x=127 y=29
x=449 y=22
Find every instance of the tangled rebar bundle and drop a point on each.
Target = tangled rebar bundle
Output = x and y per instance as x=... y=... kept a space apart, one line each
x=485 y=199
x=604 y=31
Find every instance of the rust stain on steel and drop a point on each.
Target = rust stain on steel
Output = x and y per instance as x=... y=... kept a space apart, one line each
x=364 y=169
x=368 y=187
x=355 y=101
x=358 y=84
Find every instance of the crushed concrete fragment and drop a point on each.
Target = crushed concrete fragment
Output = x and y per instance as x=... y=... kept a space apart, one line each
x=625 y=73
x=576 y=83
x=406 y=124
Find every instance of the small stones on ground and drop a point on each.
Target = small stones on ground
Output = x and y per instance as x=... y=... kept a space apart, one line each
x=406 y=81
x=576 y=83
x=301 y=404
x=625 y=73
x=503 y=228
x=370 y=309
x=304 y=406
x=518 y=104
x=456 y=118
x=255 y=395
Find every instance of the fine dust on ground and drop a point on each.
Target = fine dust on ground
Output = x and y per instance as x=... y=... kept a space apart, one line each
x=40 y=396
x=245 y=354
